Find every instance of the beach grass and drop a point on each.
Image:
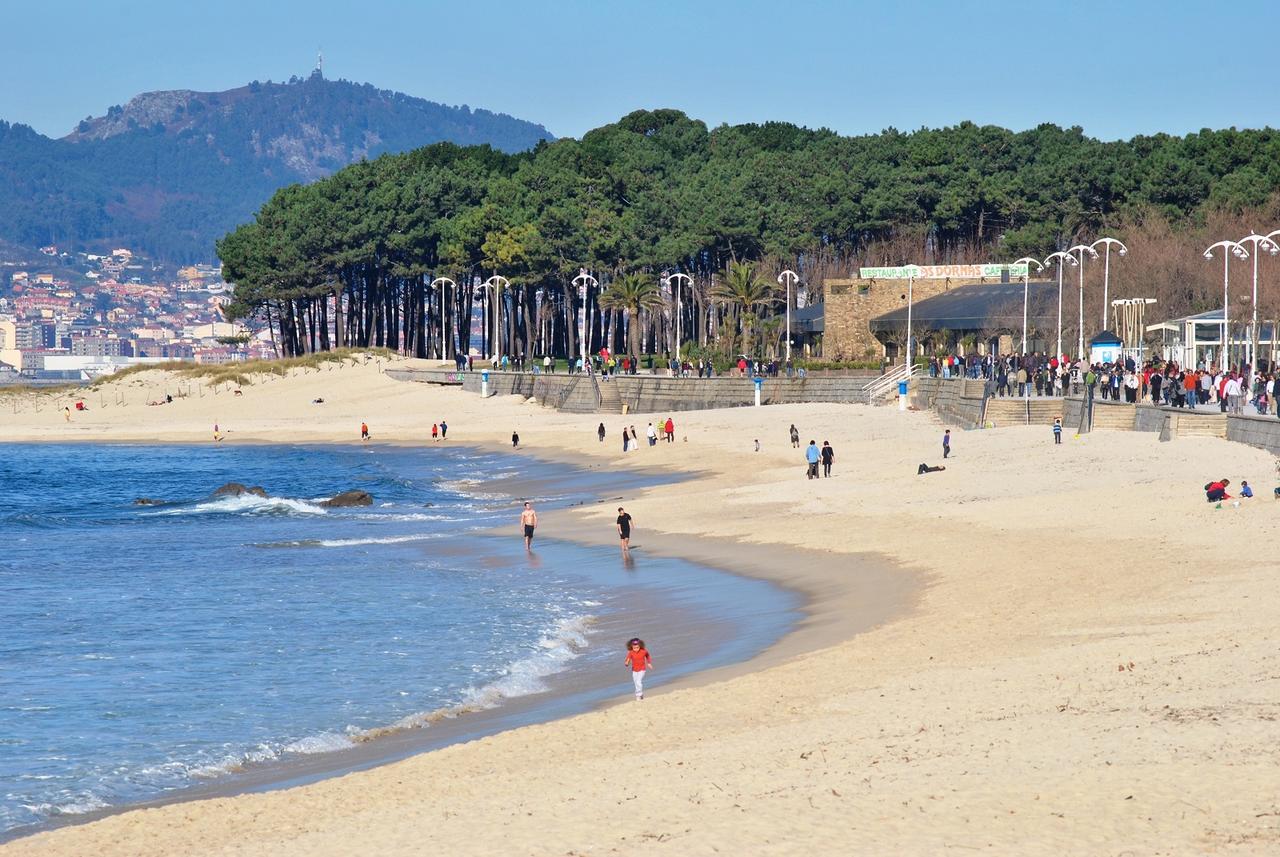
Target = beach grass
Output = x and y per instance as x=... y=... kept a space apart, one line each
x=242 y=373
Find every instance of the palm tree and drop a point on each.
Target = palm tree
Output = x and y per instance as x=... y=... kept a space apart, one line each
x=632 y=293
x=741 y=287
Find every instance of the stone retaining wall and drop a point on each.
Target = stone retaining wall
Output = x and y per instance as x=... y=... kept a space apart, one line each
x=957 y=401
x=1255 y=431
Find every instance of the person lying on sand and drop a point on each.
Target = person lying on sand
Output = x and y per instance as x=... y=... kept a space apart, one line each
x=924 y=468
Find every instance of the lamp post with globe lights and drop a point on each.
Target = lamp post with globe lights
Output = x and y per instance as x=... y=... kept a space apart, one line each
x=1258 y=243
x=440 y=283
x=675 y=280
x=788 y=278
x=1026 y=284
x=582 y=281
x=1082 y=249
x=1106 y=271
x=496 y=283
x=1229 y=249
x=1061 y=257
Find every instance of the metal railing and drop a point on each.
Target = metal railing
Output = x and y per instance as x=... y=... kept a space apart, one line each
x=886 y=382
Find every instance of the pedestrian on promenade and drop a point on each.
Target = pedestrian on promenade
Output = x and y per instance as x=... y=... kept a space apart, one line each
x=638 y=659
x=812 y=455
x=528 y=520
x=946 y=443
x=828 y=456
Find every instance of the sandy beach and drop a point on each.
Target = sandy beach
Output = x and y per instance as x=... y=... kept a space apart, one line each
x=1086 y=661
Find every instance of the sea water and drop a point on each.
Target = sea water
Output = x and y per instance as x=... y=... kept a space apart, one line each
x=147 y=648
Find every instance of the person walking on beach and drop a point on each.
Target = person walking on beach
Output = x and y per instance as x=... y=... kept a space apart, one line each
x=812 y=456
x=1057 y=430
x=444 y=430
x=515 y=440
x=635 y=439
x=946 y=443
x=828 y=456
x=600 y=432
x=638 y=659
x=624 y=529
x=652 y=434
x=435 y=432
x=528 y=520
x=671 y=431
x=364 y=431
x=626 y=440
x=217 y=434
x=795 y=437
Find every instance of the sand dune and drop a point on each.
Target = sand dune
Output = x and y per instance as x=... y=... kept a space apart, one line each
x=1091 y=666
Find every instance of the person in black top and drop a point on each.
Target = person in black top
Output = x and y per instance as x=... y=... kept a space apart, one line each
x=600 y=432
x=624 y=529
x=828 y=456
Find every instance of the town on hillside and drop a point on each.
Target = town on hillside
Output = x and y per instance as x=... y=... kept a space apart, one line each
x=73 y=317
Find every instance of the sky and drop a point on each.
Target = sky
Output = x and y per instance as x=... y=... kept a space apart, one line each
x=1114 y=68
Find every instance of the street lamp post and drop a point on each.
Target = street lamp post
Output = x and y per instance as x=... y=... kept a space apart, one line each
x=582 y=281
x=440 y=283
x=789 y=278
x=676 y=279
x=1026 y=285
x=1093 y=254
x=1060 y=257
x=1258 y=244
x=1238 y=250
x=497 y=283
x=1106 y=271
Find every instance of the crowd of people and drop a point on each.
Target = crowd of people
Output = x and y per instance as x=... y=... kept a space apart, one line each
x=1161 y=382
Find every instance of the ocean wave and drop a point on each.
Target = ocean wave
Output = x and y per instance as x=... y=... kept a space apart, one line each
x=78 y=805
x=249 y=504
x=352 y=542
x=563 y=643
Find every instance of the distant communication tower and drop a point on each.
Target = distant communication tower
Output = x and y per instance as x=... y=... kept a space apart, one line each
x=319 y=63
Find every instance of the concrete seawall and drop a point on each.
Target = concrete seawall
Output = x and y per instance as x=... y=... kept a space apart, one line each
x=1171 y=423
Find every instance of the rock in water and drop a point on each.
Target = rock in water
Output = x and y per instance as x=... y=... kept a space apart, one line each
x=236 y=489
x=349 y=498
x=147 y=501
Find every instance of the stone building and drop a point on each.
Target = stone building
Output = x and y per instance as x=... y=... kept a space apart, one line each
x=849 y=306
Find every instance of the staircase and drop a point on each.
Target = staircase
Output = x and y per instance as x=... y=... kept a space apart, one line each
x=1109 y=416
x=1202 y=425
x=1011 y=411
x=610 y=398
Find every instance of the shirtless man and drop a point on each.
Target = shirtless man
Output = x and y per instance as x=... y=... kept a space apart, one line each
x=529 y=519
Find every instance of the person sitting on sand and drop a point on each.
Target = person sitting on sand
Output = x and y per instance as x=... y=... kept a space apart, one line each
x=317 y=401
x=1217 y=491
x=924 y=468
x=1245 y=490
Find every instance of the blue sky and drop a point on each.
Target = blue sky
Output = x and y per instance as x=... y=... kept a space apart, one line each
x=1116 y=69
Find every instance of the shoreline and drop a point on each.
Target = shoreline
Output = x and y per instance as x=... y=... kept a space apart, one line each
x=813 y=629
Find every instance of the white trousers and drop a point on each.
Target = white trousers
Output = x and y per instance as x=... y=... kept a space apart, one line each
x=637 y=678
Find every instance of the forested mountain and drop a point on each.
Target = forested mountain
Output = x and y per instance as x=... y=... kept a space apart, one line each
x=169 y=172
x=658 y=191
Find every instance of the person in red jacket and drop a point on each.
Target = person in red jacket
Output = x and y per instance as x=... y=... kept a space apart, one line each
x=1217 y=491
x=640 y=662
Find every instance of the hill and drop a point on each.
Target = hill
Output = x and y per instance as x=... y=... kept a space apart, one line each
x=169 y=172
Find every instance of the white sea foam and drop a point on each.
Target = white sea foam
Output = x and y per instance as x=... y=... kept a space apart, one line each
x=248 y=504
x=525 y=676
x=381 y=540
x=325 y=742
x=78 y=805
